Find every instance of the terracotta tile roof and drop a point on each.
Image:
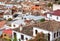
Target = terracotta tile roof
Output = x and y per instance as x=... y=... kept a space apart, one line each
x=27 y=3
x=11 y=2
x=49 y=25
x=56 y=12
x=27 y=21
x=1 y=14
x=36 y=7
x=7 y=31
x=2 y=0
x=26 y=30
x=2 y=23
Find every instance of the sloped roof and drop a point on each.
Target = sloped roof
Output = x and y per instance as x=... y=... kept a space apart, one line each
x=49 y=25
x=27 y=30
x=2 y=0
x=7 y=31
x=2 y=23
x=56 y=12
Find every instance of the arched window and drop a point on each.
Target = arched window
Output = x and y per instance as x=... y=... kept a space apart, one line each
x=14 y=25
x=26 y=38
x=54 y=35
x=57 y=34
x=48 y=36
x=36 y=31
x=22 y=37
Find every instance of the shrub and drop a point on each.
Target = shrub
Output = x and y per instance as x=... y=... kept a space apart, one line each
x=9 y=19
x=14 y=39
x=10 y=25
x=58 y=2
x=42 y=20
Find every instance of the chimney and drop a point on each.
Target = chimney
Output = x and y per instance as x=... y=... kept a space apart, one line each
x=21 y=28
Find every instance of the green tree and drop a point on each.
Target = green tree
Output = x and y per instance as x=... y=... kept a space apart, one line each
x=15 y=37
x=50 y=5
x=58 y=39
x=42 y=20
x=9 y=19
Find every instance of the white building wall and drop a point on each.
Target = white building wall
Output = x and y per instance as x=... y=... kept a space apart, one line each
x=16 y=25
x=56 y=6
x=2 y=3
x=44 y=31
x=7 y=16
x=53 y=17
x=19 y=36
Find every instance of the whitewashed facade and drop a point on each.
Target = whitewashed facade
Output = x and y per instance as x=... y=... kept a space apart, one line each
x=17 y=23
x=7 y=17
x=53 y=35
x=18 y=35
x=53 y=17
x=56 y=6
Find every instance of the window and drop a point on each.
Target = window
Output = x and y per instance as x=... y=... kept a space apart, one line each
x=14 y=34
x=45 y=0
x=1 y=36
x=23 y=11
x=48 y=37
x=54 y=35
x=35 y=31
x=14 y=25
x=36 y=5
x=50 y=15
x=57 y=34
x=37 y=0
x=8 y=16
x=4 y=34
x=15 y=15
x=57 y=17
x=26 y=38
x=25 y=18
x=22 y=37
x=22 y=17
